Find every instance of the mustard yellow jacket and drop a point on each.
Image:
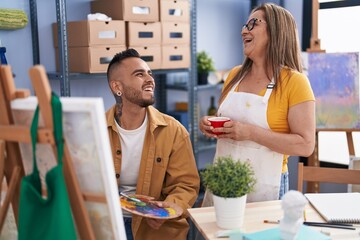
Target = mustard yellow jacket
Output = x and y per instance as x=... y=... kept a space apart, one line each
x=167 y=171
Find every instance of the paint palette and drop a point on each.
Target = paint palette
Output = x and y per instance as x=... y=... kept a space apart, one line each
x=147 y=208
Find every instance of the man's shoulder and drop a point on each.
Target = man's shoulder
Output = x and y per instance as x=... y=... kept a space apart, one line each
x=163 y=119
x=109 y=110
x=160 y=116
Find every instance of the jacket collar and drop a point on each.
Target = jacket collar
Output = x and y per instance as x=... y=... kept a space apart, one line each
x=155 y=117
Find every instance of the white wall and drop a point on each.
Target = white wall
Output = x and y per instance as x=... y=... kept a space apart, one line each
x=296 y=9
x=219 y=30
x=18 y=45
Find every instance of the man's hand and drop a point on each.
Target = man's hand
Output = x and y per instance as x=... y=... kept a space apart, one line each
x=154 y=222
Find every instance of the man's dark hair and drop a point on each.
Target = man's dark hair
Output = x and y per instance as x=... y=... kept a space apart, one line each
x=117 y=59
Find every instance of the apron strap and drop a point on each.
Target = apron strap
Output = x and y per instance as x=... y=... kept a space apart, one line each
x=58 y=125
x=33 y=132
x=269 y=89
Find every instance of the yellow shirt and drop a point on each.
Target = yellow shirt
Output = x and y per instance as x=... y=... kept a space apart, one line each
x=291 y=91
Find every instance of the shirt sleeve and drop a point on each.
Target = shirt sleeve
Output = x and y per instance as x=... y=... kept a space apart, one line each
x=299 y=89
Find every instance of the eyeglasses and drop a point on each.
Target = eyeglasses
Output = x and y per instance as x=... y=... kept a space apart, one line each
x=251 y=24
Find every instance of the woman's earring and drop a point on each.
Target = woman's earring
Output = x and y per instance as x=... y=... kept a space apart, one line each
x=119 y=93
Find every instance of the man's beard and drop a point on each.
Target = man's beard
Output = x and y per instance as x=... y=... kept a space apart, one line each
x=135 y=96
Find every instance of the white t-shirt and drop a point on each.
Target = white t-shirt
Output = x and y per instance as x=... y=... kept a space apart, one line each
x=132 y=142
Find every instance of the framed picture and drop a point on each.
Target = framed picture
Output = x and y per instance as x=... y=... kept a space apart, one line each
x=85 y=132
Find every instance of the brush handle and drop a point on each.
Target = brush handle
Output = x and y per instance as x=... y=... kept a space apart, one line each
x=329 y=225
x=131 y=198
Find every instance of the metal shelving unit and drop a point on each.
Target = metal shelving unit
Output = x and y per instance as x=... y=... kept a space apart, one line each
x=63 y=48
x=184 y=87
x=34 y=31
x=193 y=99
x=161 y=75
x=75 y=76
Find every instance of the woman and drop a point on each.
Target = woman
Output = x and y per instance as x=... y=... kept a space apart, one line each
x=270 y=103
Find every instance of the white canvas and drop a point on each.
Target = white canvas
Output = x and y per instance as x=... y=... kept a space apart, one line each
x=85 y=132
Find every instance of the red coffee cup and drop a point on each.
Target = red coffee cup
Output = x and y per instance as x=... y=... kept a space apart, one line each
x=217 y=122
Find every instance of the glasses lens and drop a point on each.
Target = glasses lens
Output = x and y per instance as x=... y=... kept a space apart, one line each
x=251 y=24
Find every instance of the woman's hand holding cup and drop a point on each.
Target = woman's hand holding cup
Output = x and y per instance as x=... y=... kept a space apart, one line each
x=218 y=122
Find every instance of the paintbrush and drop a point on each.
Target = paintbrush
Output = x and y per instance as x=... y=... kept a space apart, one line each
x=141 y=202
x=320 y=224
x=138 y=201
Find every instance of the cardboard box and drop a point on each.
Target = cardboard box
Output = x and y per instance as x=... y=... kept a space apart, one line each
x=93 y=33
x=143 y=34
x=151 y=55
x=181 y=106
x=128 y=10
x=175 y=33
x=90 y=59
x=175 y=56
x=174 y=10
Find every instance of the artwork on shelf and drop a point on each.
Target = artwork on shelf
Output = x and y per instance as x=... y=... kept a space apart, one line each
x=85 y=132
x=334 y=78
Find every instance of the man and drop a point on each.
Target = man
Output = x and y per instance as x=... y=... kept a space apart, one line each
x=152 y=151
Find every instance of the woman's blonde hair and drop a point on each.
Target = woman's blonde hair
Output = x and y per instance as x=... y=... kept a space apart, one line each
x=283 y=50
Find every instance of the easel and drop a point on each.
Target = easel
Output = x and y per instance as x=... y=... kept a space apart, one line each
x=313 y=160
x=314 y=41
x=11 y=135
x=315 y=46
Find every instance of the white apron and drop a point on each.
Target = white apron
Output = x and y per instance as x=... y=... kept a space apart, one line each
x=267 y=164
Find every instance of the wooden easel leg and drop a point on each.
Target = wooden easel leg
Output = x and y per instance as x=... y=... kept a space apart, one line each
x=2 y=163
x=13 y=156
x=313 y=160
x=350 y=143
x=15 y=179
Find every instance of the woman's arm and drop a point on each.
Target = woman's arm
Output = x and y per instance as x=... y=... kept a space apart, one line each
x=299 y=142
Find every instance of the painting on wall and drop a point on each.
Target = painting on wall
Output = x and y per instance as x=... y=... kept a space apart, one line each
x=85 y=132
x=334 y=78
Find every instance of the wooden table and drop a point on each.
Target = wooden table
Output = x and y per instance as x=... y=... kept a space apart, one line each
x=255 y=214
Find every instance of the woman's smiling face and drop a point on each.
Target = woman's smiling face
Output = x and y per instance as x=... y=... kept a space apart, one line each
x=256 y=39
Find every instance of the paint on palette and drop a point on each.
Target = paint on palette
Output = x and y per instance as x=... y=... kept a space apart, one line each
x=146 y=208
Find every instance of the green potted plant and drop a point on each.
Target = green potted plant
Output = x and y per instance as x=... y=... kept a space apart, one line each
x=205 y=64
x=229 y=181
